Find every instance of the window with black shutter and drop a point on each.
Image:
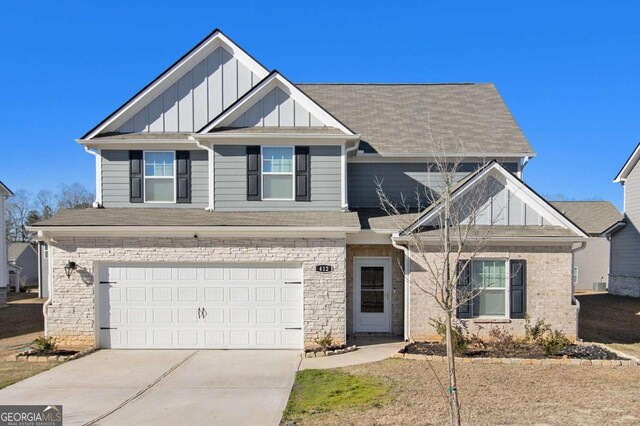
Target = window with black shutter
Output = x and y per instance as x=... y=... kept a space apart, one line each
x=136 y=177
x=253 y=173
x=303 y=174
x=183 y=176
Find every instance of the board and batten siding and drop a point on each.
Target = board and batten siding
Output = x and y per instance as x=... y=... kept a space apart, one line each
x=196 y=98
x=115 y=181
x=398 y=179
x=230 y=180
x=277 y=108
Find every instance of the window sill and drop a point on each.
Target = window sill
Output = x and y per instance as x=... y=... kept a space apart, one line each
x=492 y=321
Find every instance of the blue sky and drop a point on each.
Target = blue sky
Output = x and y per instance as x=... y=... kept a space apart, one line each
x=567 y=70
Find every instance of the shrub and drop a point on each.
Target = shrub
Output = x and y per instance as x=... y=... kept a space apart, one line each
x=326 y=341
x=44 y=344
x=534 y=333
x=502 y=340
x=458 y=337
x=553 y=342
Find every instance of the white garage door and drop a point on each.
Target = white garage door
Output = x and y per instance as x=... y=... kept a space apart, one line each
x=200 y=306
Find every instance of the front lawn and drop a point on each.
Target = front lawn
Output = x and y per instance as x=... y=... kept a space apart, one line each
x=12 y=372
x=323 y=391
x=489 y=393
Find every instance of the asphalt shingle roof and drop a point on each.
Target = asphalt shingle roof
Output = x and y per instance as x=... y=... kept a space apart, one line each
x=395 y=118
x=197 y=217
x=594 y=217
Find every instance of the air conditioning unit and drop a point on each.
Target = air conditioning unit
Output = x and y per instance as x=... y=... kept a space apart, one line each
x=601 y=286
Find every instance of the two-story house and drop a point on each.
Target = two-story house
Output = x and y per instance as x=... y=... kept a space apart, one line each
x=235 y=209
x=624 y=276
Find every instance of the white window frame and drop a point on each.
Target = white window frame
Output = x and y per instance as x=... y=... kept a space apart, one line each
x=507 y=289
x=145 y=177
x=575 y=275
x=45 y=251
x=292 y=173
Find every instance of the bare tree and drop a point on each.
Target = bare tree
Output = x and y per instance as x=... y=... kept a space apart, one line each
x=18 y=209
x=45 y=203
x=74 y=196
x=457 y=232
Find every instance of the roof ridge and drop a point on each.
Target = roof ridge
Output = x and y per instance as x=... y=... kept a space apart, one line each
x=398 y=84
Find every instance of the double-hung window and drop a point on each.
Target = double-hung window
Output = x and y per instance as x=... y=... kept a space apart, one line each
x=278 y=173
x=159 y=177
x=489 y=278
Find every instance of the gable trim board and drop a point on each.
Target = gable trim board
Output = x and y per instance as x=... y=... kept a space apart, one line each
x=172 y=74
x=5 y=191
x=512 y=184
x=628 y=166
x=273 y=80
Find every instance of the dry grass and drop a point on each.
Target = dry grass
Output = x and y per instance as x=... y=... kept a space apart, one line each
x=22 y=322
x=613 y=320
x=496 y=394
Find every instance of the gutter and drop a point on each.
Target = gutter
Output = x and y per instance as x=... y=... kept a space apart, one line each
x=407 y=286
x=574 y=299
x=210 y=165
x=343 y=169
x=96 y=153
x=45 y=307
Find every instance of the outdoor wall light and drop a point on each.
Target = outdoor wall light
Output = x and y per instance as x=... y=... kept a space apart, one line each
x=70 y=267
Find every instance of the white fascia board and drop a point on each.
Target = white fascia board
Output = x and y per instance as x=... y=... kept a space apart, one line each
x=137 y=143
x=519 y=189
x=272 y=138
x=368 y=237
x=190 y=231
x=540 y=241
x=174 y=73
x=424 y=158
x=5 y=191
x=264 y=87
x=628 y=166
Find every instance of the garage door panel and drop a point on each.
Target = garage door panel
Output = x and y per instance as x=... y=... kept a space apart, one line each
x=200 y=306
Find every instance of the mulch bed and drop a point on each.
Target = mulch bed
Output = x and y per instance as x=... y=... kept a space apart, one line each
x=59 y=352
x=521 y=351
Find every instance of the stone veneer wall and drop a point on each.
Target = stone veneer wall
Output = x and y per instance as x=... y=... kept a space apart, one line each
x=624 y=285
x=71 y=314
x=397 y=282
x=548 y=294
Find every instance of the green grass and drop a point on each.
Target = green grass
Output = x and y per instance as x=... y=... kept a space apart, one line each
x=318 y=391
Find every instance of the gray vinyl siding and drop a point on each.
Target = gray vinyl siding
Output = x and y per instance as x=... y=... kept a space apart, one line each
x=398 y=179
x=115 y=181
x=625 y=244
x=592 y=263
x=44 y=272
x=198 y=97
x=230 y=177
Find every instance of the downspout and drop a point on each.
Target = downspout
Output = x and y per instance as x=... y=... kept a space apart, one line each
x=407 y=286
x=209 y=149
x=45 y=306
x=343 y=174
x=98 y=202
x=525 y=160
x=574 y=300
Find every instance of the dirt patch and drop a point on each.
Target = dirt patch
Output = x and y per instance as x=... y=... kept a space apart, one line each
x=496 y=394
x=23 y=315
x=606 y=318
x=522 y=350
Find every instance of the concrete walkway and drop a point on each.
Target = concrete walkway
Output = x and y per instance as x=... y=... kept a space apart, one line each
x=371 y=349
x=145 y=387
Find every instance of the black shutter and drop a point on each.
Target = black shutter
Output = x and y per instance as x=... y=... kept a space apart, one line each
x=518 y=274
x=253 y=173
x=136 y=177
x=463 y=270
x=183 y=176
x=303 y=174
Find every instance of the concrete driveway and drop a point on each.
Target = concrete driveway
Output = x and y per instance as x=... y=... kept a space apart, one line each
x=159 y=387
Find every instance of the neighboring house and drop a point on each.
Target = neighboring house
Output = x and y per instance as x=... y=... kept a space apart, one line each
x=4 y=259
x=15 y=274
x=25 y=256
x=624 y=278
x=591 y=258
x=239 y=210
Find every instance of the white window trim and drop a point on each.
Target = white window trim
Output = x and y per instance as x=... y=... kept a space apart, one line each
x=45 y=251
x=145 y=177
x=507 y=290
x=292 y=173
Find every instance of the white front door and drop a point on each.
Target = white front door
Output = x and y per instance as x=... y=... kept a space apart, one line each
x=372 y=294
x=214 y=306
